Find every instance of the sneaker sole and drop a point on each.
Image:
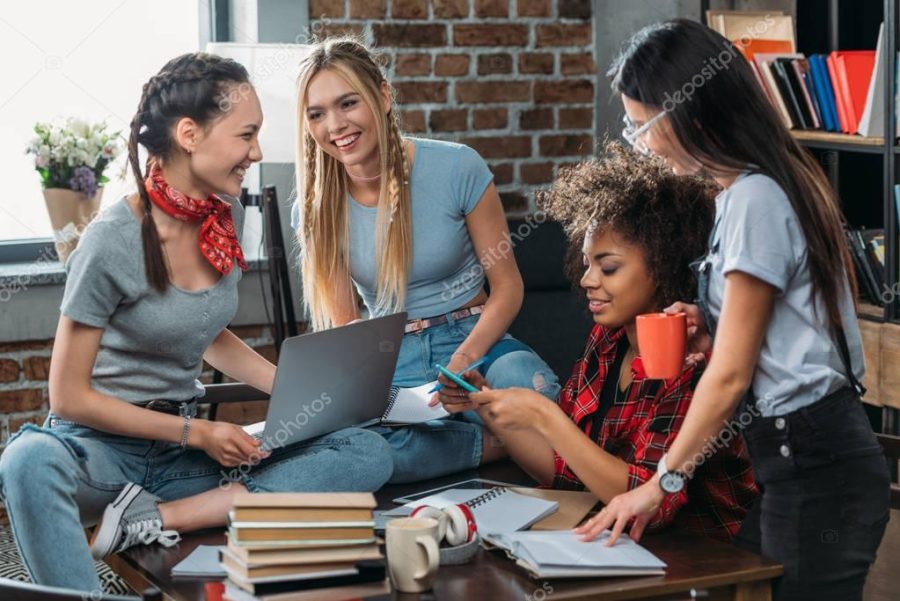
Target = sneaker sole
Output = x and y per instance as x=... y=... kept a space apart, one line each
x=105 y=536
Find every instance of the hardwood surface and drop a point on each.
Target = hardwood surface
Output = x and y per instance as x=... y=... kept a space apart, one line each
x=694 y=562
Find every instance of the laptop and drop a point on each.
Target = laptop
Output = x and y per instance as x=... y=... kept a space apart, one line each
x=329 y=380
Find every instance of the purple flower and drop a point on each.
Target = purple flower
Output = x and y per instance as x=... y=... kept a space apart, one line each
x=84 y=180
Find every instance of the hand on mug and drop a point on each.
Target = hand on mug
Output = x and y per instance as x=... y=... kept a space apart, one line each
x=699 y=342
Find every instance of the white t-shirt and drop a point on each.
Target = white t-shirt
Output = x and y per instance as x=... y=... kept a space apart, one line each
x=758 y=233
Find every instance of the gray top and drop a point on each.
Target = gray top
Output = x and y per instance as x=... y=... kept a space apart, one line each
x=152 y=344
x=758 y=233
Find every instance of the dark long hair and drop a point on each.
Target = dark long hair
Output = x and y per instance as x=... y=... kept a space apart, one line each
x=192 y=85
x=723 y=119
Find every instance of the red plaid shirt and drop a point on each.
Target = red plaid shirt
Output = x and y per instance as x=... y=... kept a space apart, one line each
x=641 y=427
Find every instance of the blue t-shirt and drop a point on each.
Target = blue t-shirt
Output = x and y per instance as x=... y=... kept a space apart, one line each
x=447 y=181
x=758 y=233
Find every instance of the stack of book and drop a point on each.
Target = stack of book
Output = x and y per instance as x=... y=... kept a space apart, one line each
x=302 y=546
x=841 y=92
x=867 y=251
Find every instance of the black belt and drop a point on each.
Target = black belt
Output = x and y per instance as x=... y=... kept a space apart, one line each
x=182 y=408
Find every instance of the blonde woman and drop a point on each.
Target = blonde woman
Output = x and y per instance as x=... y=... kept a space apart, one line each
x=405 y=221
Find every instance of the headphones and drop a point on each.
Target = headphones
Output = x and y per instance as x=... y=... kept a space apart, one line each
x=456 y=524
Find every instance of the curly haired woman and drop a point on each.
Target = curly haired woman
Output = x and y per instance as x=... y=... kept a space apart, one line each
x=636 y=227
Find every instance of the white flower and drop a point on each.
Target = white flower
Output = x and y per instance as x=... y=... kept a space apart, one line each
x=42 y=161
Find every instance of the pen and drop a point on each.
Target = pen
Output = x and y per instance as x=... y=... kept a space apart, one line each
x=471 y=367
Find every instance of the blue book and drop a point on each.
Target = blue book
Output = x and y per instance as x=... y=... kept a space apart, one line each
x=823 y=81
x=820 y=92
x=897 y=201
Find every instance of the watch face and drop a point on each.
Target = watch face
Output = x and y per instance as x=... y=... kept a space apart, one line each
x=671 y=482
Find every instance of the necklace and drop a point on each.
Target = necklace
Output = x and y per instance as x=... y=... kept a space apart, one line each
x=363 y=179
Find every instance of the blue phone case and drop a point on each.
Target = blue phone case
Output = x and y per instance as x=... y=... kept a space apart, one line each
x=454 y=378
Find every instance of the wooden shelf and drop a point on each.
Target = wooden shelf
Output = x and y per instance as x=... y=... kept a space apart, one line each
x=833 y=141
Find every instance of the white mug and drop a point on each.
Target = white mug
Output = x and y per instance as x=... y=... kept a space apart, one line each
x=412 y=553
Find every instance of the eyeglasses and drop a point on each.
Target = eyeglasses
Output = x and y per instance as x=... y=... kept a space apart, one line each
x=634 y=134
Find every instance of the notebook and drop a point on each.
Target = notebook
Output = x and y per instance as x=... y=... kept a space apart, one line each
x=202 y=563
x=561 y=554
x=410 y=406
x=497 y=510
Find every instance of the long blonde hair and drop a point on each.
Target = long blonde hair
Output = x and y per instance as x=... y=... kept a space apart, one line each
x=323 y=191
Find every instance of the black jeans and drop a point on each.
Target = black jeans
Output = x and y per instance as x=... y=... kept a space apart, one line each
x=825 y=500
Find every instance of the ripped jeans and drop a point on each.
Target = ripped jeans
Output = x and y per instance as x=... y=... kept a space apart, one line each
x=440 y=447
x=58 y=479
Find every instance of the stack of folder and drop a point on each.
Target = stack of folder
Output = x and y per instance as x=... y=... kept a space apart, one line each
x=293 y=545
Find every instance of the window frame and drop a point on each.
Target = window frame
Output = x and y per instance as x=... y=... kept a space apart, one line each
x=214 y=26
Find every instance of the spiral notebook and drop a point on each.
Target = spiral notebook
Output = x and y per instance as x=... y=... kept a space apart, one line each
x=410 y=406
x=497 y=510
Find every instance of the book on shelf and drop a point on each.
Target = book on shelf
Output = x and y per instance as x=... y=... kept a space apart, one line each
x=853 y=69
x=755 y=31
x=869 y=270
x=842 y=92
x=790 y=89
x=871 y=123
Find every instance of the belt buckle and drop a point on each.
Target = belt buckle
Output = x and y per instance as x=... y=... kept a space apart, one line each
x=417 y=325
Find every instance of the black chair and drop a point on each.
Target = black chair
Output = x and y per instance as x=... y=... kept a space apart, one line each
x=554 y=320
x=13 y=590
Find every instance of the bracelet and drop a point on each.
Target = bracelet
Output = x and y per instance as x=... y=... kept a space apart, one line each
x=185 y=431
x=466 y=355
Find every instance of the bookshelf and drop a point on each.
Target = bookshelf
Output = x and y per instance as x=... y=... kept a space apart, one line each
x=864 y=171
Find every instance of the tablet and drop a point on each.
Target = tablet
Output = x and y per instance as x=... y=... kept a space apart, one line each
x=474 y=483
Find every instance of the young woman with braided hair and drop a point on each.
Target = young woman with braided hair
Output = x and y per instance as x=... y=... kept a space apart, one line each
x=413 y=225
x=149 y=293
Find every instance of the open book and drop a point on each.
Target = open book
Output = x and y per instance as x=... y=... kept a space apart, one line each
x=410 y=406
x=561 y=554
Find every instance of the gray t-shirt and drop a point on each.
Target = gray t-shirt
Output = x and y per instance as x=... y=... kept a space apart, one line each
x=759 y=234
x=152 y=344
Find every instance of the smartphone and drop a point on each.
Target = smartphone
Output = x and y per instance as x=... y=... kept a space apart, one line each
x=454 y=378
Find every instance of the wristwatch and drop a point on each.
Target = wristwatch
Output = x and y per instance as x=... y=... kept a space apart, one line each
x=670 y=482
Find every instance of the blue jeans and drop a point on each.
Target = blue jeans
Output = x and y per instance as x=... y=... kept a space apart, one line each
x=454 y=444
x=58 y=479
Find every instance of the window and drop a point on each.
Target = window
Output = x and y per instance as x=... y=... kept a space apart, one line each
x=84 y=59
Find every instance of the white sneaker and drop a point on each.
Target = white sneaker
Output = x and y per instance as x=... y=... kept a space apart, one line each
x=132 y=519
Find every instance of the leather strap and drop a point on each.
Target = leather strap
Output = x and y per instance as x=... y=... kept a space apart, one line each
x=418 y=325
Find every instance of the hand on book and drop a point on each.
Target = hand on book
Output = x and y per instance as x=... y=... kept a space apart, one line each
x=640 y=504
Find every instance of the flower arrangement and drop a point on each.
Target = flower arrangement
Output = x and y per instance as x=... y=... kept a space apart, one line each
x=73 y=154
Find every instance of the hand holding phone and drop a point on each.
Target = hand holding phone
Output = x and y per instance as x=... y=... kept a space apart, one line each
x=455 y=378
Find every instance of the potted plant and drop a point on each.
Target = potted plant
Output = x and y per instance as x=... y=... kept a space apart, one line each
x=71 y=157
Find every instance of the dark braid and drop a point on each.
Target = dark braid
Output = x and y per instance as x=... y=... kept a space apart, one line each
x=195 y=86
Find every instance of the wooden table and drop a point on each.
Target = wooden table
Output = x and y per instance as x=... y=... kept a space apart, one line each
x=714 y=569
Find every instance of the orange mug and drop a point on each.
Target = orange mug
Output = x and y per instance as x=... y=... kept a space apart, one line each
x=662 y=339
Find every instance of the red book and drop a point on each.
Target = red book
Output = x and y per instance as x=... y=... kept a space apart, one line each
x=838 y=93
x=854 y=72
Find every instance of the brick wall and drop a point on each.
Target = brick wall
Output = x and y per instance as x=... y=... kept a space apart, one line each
x=24 y=367
x=514 y=79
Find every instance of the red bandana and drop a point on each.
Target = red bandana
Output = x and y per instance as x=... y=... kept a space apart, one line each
x=218 y=239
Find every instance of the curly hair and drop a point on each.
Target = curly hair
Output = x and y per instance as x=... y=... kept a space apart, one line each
x=641 y=199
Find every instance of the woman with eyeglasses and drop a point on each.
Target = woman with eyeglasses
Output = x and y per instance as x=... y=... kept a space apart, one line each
x=776 y=309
